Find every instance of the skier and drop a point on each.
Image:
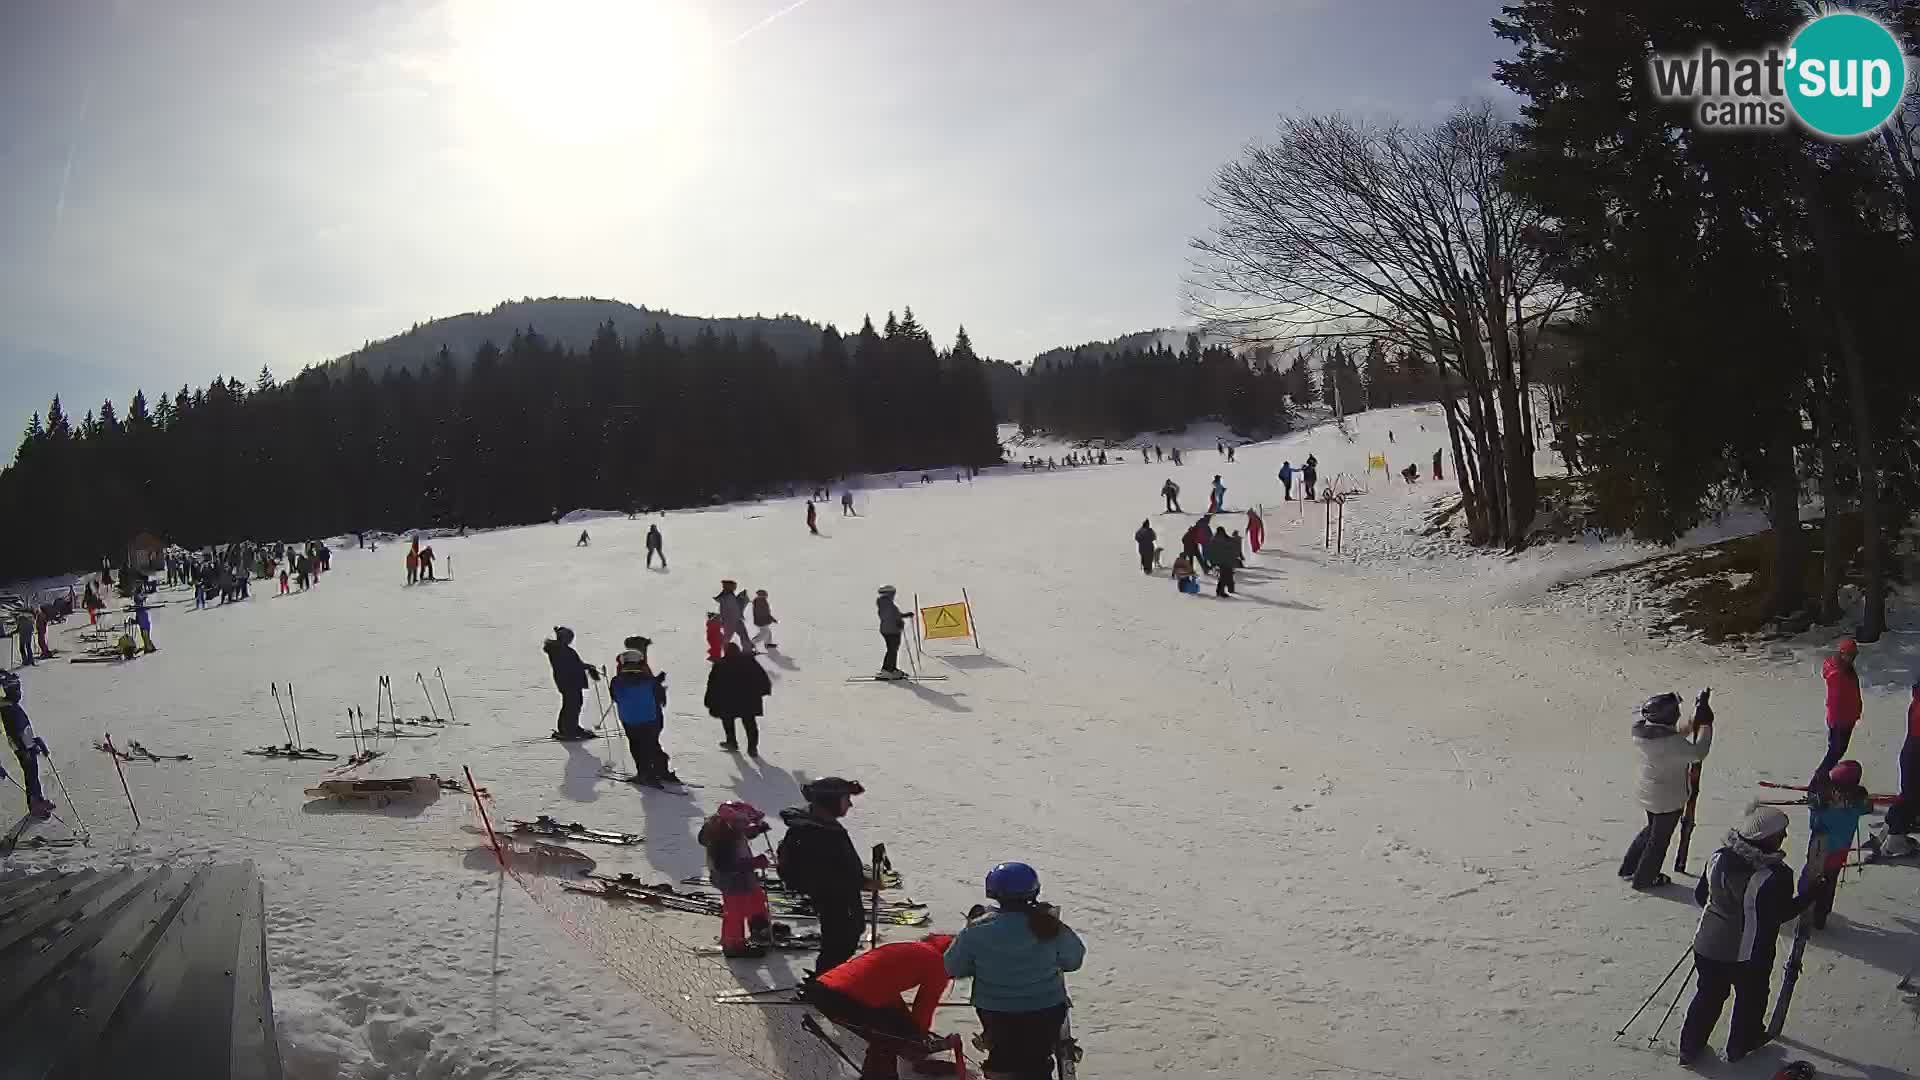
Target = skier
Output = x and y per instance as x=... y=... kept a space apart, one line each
x=736 y=683
x=283 y=581
x=1309 y=475
x=1665 y=759
x=763 y=620
x=23 y=629
x=570 y=676
x=1843 y=703
x=656 y=545
x=817 y=859
x=1158 y=454
x=43 y=615
x=746 y=926
x=1436 y=464
x=1286 y=480
x=863 y=995
x=846 y=504
x=640 y=696
x=143 y=619
x=1256 y=530
x=812 y=521
x=1747 y=892
x=1193 y=543
x=733 y=619
x=716 y=636
x=584 y=540
x=426 y=562
x=1175 y=453
x=1017 y=956
x=1225 y=554
x=26 y=745
x=892 y=622
x=1143 y=538
x=1838 y=803
x=1219 y=496
x=1219 y=448
x=1170 y=491
x=413 y=564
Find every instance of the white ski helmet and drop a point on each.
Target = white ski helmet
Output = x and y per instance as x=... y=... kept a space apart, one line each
x=1762 y=822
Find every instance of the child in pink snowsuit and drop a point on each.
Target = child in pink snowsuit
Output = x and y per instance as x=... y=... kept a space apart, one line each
x=746 y=927
x=716 y=635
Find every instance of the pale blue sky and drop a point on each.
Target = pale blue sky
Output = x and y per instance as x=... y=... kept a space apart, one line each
x=197 y=187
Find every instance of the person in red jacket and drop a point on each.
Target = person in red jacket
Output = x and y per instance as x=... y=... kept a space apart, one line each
x=1843 y=704
x=863 y=996
x=717 y=635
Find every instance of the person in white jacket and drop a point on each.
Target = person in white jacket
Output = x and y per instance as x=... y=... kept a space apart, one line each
x=1666 y=756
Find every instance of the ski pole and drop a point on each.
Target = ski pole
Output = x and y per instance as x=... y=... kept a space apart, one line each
x=428 y=694
x=813 y=1027
x=275 y=687
x=1655 y=994
x=29 y=796
x=86 y=834
x=438 y=674
x=1677 y=995
x=294 y=706
x=117 y=767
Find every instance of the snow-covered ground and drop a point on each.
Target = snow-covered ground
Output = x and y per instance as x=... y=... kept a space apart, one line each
x=1360 y=821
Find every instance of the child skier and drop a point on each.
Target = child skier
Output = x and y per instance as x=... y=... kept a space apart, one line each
x=570 y=676
x=716 y=636
x=26 y=745
x=1016 y=956
x=640 y=695
x=746 y=927
x=763 y=620
x=1665 y=760
x=893 y=622
x=1838 y=803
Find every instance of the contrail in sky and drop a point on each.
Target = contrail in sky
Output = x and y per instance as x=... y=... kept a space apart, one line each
x=763 y=23
x=66 y=174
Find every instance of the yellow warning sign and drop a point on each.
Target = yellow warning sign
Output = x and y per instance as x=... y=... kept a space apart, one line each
x=944 y=621
x=1376 y=461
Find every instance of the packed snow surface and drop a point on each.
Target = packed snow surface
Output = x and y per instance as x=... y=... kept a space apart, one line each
x=1361 y=820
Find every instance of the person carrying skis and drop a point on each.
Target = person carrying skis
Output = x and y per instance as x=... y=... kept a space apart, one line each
x=1225 y=553
x=1170 y=491
x=812 y=520
x=763 y=620
x=736 y=684
x=893 y=622
x=863 y=995
x=1143 y=538
x=1746 y=890
x=640 y=696
x=1017 y=956
x=1665 y=759
x=1837 y=802
x=730 y=606
x=1843 y=703
x=746 y=926
x=570 y=675
x=1219 y=496
x=656 y=545
x=817 y=860
x=26 y=745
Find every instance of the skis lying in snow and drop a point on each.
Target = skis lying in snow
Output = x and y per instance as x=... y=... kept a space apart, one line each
x=293 y=752
x=136 y=752
x=1878 y=800
x=379 y=792
x=809 y=942
x=897 y=678
x=355 y=761
x=628 y=887
x=889 y=879
x=671 y=787
x=573 y=830
x=17 y=838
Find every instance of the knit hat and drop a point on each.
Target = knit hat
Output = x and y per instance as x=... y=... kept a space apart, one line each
x=887 y=590
x=1847 y=647
x=1762 y=822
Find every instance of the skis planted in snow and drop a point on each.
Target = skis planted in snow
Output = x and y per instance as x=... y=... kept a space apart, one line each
x=547 y=827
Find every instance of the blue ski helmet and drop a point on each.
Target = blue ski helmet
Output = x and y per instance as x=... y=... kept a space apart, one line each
x=1012 y=881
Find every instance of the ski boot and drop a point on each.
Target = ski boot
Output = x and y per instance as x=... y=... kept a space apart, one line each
x=40 y=808
x=1796 y=1070
x=746 y=950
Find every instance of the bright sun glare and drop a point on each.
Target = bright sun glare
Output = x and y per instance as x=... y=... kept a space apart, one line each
x=580 y=71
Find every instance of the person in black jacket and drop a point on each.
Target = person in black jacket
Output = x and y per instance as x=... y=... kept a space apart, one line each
x=1225 y=555
x=27 y=746
x=736 y=683
x=1143 y=538
x=818 y=860
x=1747 y=891
x=570 y=675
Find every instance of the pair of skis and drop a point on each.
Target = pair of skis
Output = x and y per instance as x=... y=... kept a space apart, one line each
x=628 y=887
x=547 y=827
x=137 y=752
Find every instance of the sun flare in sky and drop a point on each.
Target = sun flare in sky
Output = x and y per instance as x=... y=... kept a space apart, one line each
x=581 y=72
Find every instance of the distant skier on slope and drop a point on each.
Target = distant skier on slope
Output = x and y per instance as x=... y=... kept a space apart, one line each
x=846 y=504
x=1170 y=491
x=1143 y=539
x=584 y=539
x=656 y=545
x=570 y=675
x=813 y=522
x=1665 y=759
x=1747 y=891
x=863 y=995
x=893 y=622
x=818 y=860
x=1219 y=496
x=26 y=745
x=1843 y=704
x=763 y=620
x=1017 y=957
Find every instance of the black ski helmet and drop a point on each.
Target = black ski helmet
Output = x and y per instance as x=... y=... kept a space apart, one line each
x=563 y=635
x=829 y=789
x=1662 y=709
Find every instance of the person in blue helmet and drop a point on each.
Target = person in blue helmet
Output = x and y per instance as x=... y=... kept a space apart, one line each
x=1017 y=956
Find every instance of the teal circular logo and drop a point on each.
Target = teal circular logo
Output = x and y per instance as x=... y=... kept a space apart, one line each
x=1845 y=75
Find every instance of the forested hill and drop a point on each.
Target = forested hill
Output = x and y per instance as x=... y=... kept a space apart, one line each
x=569 y=322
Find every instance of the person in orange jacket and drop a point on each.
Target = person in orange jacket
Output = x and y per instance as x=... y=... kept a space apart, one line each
x=863 y=996
x=1843 y=704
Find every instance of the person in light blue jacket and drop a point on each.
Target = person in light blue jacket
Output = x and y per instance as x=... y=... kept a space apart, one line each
x=1016 y=956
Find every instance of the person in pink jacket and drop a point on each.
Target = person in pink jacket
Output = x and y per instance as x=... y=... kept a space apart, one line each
x=1843 y=704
